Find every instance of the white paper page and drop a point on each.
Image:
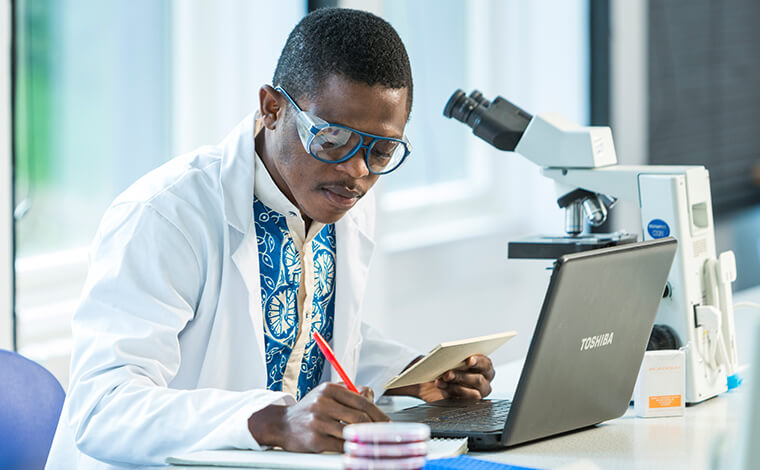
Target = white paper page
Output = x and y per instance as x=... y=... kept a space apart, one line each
x=280 y=459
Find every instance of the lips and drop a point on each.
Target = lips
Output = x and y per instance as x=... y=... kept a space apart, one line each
x=344 y=191
x=341 y=196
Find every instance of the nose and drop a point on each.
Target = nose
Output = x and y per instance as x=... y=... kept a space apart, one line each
x=356 y=166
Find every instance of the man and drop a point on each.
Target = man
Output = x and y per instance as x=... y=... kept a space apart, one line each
x=210 y=275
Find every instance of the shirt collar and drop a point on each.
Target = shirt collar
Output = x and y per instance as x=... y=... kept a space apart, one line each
x=266 y=190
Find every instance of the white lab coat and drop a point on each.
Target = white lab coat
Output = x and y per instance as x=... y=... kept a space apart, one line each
x=168 y=350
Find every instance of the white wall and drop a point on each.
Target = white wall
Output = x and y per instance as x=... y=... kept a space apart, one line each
x=629 y=95
x=221 y=56
x=457 y=290
x=6 y=208
x=448 y=277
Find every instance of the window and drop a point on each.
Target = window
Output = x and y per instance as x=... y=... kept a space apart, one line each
x=441 y=270
x=6 y=210
x=107 y=91
x=534 y=54
x=93 y=112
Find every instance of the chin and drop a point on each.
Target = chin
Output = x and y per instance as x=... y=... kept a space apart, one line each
x=330 y=218
x=326 y=215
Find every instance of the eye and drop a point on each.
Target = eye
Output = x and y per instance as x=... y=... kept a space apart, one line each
x=326 y=144
x=384 y=150
x=380 y=155
x=331 y=137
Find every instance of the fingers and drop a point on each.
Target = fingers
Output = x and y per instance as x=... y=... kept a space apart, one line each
x=474 y=364
x=465 y=380
x=326 y=435
x=316 y=422
x=352 y=408
x=483 y=365
x=331 y=444
x=330 y=427
x=367 y=393
x=467 y=386
x=460 y=392
x=479 y=364
x=343 y=414
x=470 y=380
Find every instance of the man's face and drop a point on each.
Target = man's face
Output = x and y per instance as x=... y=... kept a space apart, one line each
x=326 y=191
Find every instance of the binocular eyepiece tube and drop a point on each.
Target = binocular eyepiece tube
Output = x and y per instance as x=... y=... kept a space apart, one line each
x=498 y=122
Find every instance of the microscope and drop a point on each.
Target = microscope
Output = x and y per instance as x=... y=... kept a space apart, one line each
x=697 y=308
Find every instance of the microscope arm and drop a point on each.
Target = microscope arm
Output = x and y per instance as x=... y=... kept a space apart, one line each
x=676 y=201
x=621 y=181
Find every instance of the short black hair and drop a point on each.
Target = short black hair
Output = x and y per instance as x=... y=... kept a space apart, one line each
x=354 y=44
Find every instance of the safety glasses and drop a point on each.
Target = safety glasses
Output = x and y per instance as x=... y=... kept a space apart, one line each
x=335 y=143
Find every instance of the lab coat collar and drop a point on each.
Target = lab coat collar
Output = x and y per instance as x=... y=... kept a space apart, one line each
x=237 y=174
x=354 y=252
x=237 y=183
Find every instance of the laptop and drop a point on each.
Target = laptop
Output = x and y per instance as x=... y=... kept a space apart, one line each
x=584 y=356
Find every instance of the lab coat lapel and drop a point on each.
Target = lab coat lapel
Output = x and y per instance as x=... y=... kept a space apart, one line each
x=237 y=333
x=237 y=177
x=354 y=252
x=246 y=261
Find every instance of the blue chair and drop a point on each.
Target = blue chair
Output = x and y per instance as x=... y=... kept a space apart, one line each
x=30 y=404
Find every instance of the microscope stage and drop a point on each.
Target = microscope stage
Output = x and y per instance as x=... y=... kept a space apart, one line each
x=552 y=247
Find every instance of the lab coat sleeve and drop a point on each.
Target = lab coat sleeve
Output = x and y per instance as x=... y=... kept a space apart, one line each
x=380 y=359
x=144 y=282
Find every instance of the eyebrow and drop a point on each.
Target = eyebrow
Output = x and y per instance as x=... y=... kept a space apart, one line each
x=292 y=101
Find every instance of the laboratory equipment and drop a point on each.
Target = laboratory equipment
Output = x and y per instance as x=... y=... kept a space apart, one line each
x=673 y=201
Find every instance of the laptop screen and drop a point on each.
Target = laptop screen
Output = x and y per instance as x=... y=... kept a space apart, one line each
x=590 y=339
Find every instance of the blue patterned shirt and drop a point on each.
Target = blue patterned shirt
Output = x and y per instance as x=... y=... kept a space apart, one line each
x=297 y=296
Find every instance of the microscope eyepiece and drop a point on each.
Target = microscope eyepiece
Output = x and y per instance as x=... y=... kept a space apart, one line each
x=461 y=106
x=500 y=123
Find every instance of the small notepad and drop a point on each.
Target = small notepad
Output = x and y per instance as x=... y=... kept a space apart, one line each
x=447 y=356
x=280 y=459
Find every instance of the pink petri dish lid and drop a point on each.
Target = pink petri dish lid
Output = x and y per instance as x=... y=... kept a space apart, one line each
x=386 y=433
x=364 y=449
x=361 y=463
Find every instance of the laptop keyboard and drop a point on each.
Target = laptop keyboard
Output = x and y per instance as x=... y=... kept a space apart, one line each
x=486 y=416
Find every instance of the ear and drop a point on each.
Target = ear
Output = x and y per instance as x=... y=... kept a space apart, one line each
x=269 y=106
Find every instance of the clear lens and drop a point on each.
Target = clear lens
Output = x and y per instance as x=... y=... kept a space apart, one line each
x=334 y=143
x=304 y=123
x=385 y=155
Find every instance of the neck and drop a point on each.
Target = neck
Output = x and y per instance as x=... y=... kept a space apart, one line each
x=267 y=151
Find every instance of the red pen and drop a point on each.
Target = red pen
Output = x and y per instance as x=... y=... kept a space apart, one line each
x=327 y=351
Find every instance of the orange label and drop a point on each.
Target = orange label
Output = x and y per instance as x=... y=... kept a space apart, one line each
x=665 y=401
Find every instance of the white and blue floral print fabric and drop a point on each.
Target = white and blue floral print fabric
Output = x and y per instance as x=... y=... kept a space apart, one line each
x=280 y=269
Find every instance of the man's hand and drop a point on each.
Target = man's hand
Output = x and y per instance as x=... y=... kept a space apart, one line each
x=314 y=424
x=471 y=381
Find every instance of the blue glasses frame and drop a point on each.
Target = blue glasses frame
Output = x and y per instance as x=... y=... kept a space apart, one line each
x=310 y=125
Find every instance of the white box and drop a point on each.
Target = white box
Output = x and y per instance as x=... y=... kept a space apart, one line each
x=661 y=385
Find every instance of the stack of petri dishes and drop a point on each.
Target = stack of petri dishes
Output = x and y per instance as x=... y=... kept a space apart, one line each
x=385 y=446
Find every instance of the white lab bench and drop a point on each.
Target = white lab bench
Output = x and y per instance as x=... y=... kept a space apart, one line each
x=629 y=442
x=693 y=441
